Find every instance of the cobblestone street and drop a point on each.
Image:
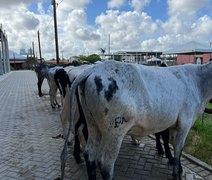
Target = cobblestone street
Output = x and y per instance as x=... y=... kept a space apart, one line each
x=28 y=151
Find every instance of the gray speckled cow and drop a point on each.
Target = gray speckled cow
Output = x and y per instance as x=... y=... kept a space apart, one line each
x=120 y=98
x=47 y=71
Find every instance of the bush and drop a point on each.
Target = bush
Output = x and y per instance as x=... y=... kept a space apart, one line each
x=91 y=58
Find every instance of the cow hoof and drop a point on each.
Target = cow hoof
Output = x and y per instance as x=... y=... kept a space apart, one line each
x=160 y=152
x=176 y=177
x=136 y=142
x=171 y=161
x=181 y=169
x=58 y=178
x=81 y=161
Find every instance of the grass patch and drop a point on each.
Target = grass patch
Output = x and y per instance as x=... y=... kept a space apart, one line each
x=199 y=140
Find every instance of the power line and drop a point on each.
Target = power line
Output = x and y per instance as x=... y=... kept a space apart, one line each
x=48 y=24
x=59 y=3
x=53 y=17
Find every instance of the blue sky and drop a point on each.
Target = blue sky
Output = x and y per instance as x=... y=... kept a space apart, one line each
x=156 y=9
x=84 y=25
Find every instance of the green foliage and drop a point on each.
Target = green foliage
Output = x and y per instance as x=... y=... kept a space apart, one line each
x=198 y=142
x=91 y=58
x=83 y=58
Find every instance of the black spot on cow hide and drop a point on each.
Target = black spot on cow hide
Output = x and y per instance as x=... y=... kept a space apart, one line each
x=106 y=111
x=116 y=70
x=98 y=82
x=112 y=88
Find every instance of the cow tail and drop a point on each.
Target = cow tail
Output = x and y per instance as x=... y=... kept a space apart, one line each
x=57 y=83
x=74 y=87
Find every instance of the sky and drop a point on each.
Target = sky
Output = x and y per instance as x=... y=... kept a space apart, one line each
x=84 y=26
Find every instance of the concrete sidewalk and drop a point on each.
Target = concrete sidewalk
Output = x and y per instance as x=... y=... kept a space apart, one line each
x=28 y=151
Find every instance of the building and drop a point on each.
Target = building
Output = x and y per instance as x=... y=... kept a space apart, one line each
x=17 y=61
x=4 y=53
x=139 y=57
x=191 y=52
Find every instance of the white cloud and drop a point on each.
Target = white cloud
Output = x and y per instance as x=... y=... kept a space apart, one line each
x=41 y=8
x=128 y=30
x=125 y=28
x=183 y=24
x=202 y=27
x=15 y=3
x=19 y=23
x=185 y=7
x=139 y=4
x=73 y=4
x=115 y=3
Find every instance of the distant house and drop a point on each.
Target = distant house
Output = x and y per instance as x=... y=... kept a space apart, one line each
x=191 y=52
x=17 y=61
x=139 y=57
x=154 y=61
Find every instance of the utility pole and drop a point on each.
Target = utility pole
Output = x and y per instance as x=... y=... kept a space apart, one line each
x=39 y=47
x=55 y=30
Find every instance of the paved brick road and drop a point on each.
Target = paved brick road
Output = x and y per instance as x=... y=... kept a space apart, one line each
x=28 y=151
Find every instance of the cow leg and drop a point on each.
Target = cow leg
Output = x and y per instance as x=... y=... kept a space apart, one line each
x=91 y=149
x=51 y=98
x=158 y=143
x=39 y=84
x=53 y=94
x=179 y=141
x=81 y=121
x=107 y=155
x=165 y=137
x=77 y=143
x=64 y=117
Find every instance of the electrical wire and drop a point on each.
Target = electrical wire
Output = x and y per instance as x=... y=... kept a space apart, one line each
x=59 y=3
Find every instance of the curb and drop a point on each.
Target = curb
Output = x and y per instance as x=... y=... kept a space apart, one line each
x=4 y=76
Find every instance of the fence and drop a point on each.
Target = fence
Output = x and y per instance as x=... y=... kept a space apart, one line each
x=4 y=53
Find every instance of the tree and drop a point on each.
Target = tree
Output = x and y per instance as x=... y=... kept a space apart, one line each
x=93 y=58
x=82 y=58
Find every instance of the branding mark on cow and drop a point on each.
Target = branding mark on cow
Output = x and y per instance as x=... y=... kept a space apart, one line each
x=112 y=88
x=98 y=82
x=119 y=121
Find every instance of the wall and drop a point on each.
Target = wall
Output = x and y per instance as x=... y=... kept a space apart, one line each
x=191 y=58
